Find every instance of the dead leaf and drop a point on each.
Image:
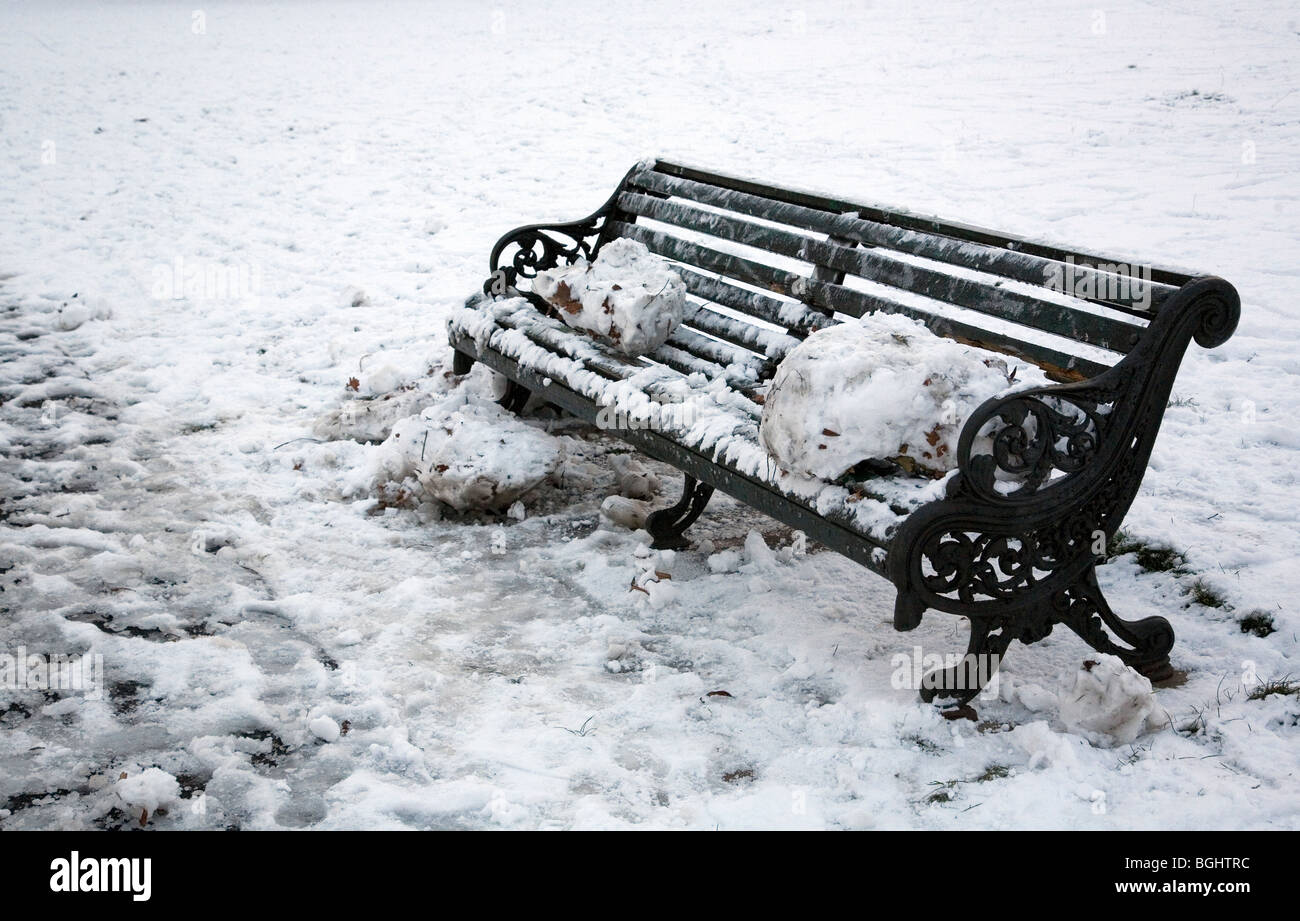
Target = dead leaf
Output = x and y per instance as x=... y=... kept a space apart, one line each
x=353 y=384
x=564 y=299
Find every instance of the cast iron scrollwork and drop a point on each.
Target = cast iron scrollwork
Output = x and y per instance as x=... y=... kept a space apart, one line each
x=1045 y=476
x=1033 y=437
x=538 y=247
x=1083 y=609
x=525 y=251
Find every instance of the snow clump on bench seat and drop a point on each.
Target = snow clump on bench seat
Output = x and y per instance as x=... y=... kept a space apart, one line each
x=628 y=295
x=883 y=388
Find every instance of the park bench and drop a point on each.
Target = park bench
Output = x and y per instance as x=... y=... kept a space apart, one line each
x=1011 y=539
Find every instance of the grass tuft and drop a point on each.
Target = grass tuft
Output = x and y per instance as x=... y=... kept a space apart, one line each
x=1160 y=558
x=1150 y=557
x=1259 y=623
x=1205 y=594
x=1282 y=686
x=946 y=793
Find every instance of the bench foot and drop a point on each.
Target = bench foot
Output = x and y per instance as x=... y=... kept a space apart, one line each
x=1084 y=610
x=960 y=683
x=667 y=525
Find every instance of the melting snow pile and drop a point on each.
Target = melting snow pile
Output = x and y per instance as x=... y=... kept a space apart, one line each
x=882 y=388
x=1109 y=702
x=467 y=454
x=628 y=295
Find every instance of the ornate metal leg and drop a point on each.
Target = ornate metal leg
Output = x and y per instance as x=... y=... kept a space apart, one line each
x=1084 y=610
x=965 y=679
x=667 y=525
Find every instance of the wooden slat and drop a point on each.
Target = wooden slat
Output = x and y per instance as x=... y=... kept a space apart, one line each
x=576 y=347
x=687 y=362
x=854 y=303
x=1078 y=325
x=796 y=317
x=970 y=254
x=901 y=217
x=721 y=353
x=756 y=339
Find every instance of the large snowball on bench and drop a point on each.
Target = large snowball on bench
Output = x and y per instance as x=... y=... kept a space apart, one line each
x=628 y=296
x=882 y=388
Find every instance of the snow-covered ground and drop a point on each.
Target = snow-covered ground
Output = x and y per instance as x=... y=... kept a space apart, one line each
x=284 y=644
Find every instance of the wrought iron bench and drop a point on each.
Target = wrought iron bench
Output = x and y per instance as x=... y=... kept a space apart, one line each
x=1011 y=539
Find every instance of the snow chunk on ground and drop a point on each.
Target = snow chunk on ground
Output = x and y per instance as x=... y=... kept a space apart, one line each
x=625 y=512
x=882 y=388
x=151 y=788
x=628 y=295
x=468 y=454
x=635 y=480
x=325 y=729
x=1109 y=702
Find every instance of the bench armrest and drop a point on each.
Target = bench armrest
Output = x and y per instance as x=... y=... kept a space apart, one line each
x=1045 y=477
x=533 y=248
x=1064 y=439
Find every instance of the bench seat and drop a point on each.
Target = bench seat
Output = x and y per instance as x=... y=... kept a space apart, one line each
x=693 y=403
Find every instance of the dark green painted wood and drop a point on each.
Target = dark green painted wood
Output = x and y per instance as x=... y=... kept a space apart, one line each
x=1077 y=325
x=721 y=353
x=797 y=318
x=848 y=301
x=594 y=356
x=903 y=218
x=703 y=317
x=1011 y=264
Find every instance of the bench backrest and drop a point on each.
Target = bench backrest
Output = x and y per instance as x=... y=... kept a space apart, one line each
x=793 y=260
